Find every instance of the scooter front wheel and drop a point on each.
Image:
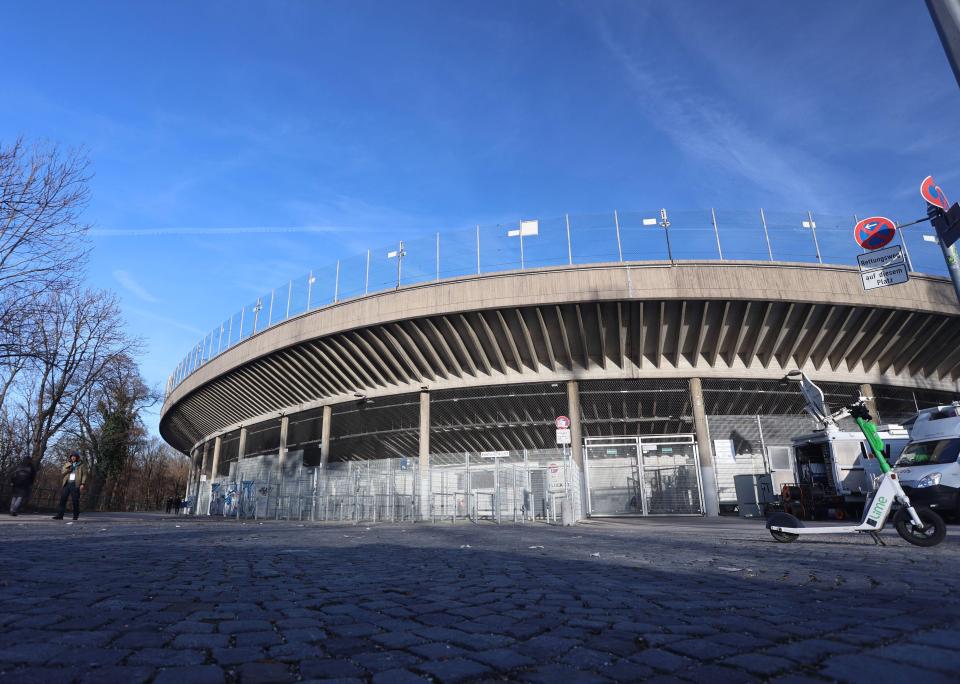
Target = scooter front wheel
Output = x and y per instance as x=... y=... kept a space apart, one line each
x=932 y=533
x=783 y=520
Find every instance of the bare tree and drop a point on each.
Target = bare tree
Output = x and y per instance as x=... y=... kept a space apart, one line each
x=79 y=339
x=43 y=191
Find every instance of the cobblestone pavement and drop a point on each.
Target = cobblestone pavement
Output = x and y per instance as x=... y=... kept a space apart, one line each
x=123 y=598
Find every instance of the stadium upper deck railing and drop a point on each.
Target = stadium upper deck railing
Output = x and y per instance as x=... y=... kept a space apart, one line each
x=630 y=236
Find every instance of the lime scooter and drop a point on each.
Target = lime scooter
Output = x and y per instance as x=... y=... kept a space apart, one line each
x=919 y=526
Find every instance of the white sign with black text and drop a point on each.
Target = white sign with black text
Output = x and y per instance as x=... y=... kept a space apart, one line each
x=883 y=267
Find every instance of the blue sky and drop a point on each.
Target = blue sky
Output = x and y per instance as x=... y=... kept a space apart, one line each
x=239 y=144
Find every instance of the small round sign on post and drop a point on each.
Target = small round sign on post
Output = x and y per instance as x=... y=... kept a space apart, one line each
x=874 y=232
x=562 y=422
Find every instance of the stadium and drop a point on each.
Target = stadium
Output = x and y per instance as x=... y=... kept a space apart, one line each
x=423 y=381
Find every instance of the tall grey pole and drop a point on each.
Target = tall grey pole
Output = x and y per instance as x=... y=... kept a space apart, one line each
x=946 y=17
x=816 y=243
x=616 y=222
x=766 y=234
x=716 y=231
x=952 y=258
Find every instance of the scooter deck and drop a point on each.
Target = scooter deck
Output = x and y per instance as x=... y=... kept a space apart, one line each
x=846 y=529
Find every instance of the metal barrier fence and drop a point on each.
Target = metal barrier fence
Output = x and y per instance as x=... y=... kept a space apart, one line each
x=515 y=487
x=630 y=236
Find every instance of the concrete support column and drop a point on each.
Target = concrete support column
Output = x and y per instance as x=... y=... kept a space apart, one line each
x=241 y=450
x=282 y=454
x=325 y=436
x=867 y=391
x=282 y=458
x=708 y=475
x=198 y=485
x=573 y=413
x=215 y=464
x=424 y=456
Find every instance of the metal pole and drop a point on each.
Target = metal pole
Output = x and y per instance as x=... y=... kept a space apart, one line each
x=289 y=296
x=716 y=231
x=766 y=235
x=953 y=264
x=478 y=249
x=270 y=312
x=243 y=312
x=399 y=264
x=230 y=331
x=903 y=241
x=309 y=289
x=569 y=249
x=366 y=279
x=946 y=18
x=521 y=246
x=438 y=256
x=816 y=243
x=665 y=222
x=616 y=222
x=336 y=283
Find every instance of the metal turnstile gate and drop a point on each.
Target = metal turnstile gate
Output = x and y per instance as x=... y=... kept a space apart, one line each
x=649 y=475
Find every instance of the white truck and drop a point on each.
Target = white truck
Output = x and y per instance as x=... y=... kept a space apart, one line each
x=928 y=468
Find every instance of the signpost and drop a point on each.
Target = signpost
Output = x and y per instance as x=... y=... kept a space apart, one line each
x=874 y=232
x=883 y=267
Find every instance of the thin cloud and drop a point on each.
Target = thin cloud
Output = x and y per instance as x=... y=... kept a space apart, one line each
x=169 y=322
x=128 y=283
x=705 y=129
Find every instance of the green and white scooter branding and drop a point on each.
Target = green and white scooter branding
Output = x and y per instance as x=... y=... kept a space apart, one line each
x=919 y=526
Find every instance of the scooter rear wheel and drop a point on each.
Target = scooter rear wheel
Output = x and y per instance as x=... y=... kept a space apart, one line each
x=932 y=533
x=783 y=520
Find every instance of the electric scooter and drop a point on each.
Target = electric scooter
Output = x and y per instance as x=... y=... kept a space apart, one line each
x=918 y=526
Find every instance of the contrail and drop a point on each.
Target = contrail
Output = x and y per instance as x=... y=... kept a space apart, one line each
x=142 y=232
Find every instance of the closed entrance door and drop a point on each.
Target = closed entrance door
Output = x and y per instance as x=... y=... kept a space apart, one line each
x=649 y=475
x=614 y=478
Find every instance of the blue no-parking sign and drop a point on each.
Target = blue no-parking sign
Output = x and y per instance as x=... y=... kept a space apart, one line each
x=874 y=232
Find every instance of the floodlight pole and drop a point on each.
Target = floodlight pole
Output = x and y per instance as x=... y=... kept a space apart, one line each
x=399 y=254
x=665 y=224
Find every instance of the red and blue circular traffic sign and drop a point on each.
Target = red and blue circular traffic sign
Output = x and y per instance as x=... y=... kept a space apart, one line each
x=933 y=194
x=874 y=232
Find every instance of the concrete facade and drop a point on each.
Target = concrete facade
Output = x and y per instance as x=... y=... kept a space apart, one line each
x=685 y=322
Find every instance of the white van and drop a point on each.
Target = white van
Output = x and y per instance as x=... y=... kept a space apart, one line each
x=928 y=467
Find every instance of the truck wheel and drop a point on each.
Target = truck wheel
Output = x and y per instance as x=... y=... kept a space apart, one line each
x=932 y=532
x=783 y=520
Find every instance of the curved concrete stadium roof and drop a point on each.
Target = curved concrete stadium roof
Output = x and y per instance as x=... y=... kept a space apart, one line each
x=641 y=320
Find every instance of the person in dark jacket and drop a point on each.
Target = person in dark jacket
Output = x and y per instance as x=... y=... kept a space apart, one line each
x=22 y=480
x=74 y=480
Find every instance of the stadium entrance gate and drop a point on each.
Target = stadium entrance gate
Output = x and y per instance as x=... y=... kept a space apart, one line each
x=648 y=475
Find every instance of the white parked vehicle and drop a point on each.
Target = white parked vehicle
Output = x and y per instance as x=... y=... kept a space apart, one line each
x=929 y=467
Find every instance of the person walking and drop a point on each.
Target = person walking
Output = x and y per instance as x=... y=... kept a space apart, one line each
x=74 y=479
x=22 y=481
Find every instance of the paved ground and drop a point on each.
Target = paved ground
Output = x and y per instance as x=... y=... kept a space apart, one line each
x=130 y=599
